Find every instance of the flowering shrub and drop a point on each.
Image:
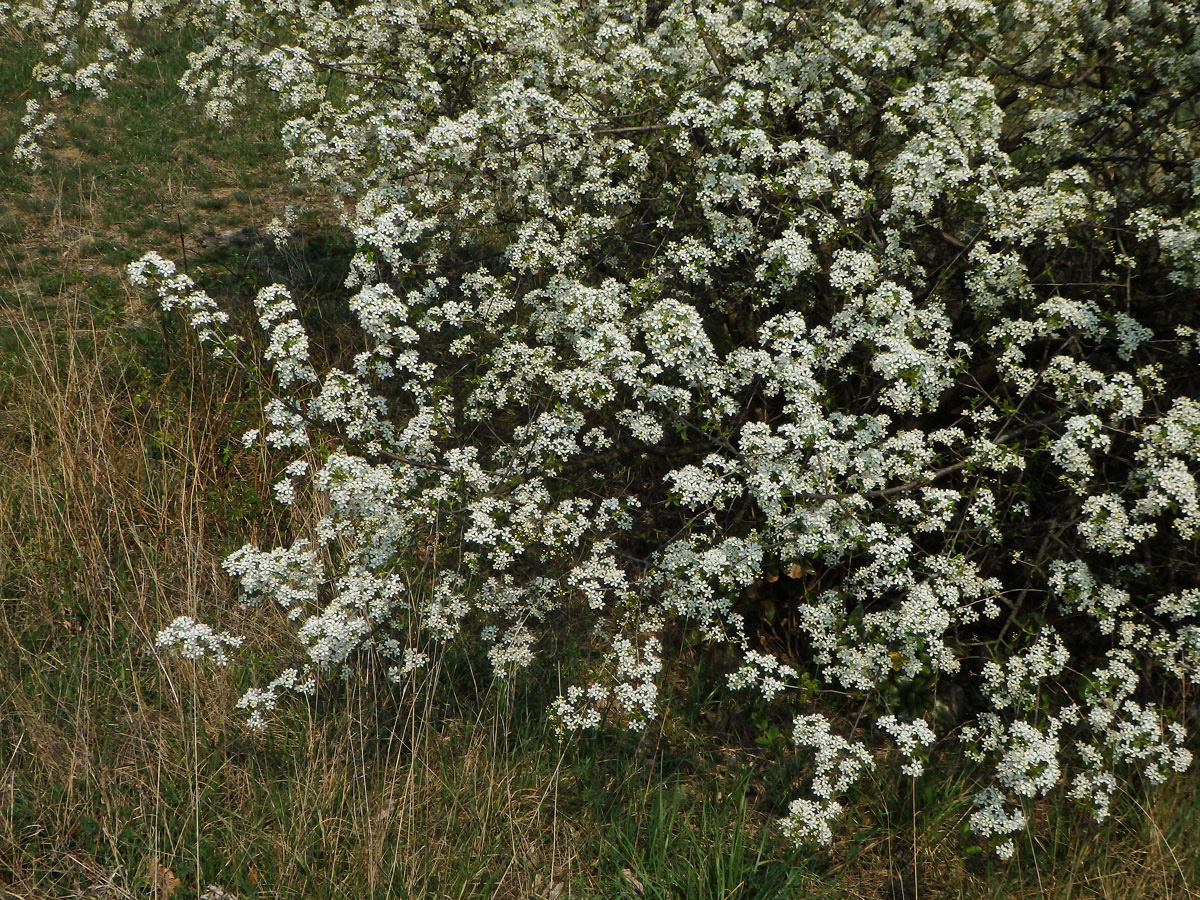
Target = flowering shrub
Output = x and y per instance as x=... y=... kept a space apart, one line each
x=858 y=338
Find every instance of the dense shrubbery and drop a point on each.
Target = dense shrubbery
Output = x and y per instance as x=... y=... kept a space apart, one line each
x=860 y=339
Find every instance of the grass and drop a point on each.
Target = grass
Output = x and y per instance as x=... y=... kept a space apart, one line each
x=124 y=773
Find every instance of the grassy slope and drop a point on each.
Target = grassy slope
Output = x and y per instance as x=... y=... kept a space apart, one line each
x=126 y=774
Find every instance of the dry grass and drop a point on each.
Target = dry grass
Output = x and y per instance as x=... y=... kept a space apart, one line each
x=120 y=765
x=106 y=536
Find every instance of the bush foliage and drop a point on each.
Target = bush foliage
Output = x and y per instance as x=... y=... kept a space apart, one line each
x=851 y=344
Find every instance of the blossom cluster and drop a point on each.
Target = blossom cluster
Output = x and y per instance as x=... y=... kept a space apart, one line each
x=195 y=640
